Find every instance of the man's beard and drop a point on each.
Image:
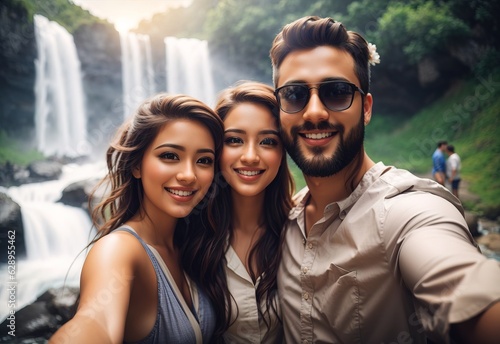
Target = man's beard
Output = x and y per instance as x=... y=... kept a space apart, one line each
x=322 y=166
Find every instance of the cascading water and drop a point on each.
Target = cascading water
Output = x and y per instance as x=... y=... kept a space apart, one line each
x=137 y=70
x=55 y=237
x=188 y=68
x=60 y=120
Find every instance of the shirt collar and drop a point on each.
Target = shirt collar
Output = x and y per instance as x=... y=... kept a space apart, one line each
x=344 y=205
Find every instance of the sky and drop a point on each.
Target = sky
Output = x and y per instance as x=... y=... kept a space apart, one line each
x=126 y=14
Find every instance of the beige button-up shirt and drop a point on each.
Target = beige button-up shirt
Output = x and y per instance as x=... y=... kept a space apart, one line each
x=248 y=327
x=392 y=263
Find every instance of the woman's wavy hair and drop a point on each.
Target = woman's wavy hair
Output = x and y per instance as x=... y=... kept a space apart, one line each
x=267 y=250
x=124 y=193
x=311 y=32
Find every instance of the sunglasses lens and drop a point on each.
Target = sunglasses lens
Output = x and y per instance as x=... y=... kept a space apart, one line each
x=293 y=98
x=337 y=96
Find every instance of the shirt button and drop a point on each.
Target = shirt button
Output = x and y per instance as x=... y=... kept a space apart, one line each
x=306 y=296
x=305 y=270
x=303 y=241
x=310 y=245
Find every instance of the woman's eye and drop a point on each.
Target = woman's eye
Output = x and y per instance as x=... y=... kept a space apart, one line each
x=233 y=140
x=169 y=156
x=269 y=141
x=206 y=160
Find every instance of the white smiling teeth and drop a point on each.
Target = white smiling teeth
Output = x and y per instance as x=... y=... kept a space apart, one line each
x=248 y=173
x=180 y=192
x=318 y=136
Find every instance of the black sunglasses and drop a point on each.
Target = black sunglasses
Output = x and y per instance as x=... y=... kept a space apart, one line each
x=335 y=95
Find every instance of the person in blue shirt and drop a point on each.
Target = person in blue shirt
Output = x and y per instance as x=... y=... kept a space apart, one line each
x=439 y=163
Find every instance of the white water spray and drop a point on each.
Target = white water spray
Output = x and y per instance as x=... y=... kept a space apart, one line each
x=188 y=68
x=55 y=237
x=137 y=70
x=60 y=120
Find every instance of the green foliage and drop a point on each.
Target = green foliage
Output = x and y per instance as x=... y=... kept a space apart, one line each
x=298 y=177
x=420 y=31
x=488 y=63
x=10 y=151
x=64 y=12
x=243 y=30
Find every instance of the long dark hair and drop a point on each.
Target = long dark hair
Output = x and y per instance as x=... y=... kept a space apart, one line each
x=277 y=200
x=124 y=193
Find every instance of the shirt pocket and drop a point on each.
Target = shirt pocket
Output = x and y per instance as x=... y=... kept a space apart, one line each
x=340 y=304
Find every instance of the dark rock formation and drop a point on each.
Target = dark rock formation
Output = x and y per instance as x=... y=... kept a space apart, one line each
x=44 y=170
x=99 y=51
x=12 y=174
x=77 y=194
x=17 y=72
x=11 y=229
x=37 y=322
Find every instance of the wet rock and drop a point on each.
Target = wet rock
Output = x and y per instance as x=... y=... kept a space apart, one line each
x=12 y=174
x=490 y=241
x=11 y=229
x=77 y=194
x=37 y=322
x=45 y=170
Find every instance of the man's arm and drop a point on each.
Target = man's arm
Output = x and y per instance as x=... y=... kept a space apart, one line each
x=445 y=271
x=482 y=329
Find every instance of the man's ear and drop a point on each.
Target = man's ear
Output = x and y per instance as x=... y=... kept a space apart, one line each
x=367 y=108
x=136 y=172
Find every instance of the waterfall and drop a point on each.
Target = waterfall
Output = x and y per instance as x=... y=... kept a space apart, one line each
x=60 y=120
x=55 y=236
x=137 y=70
x=188 y=68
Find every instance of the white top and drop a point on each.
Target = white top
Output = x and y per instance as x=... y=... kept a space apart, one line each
x=453 y=163
x=248 y=327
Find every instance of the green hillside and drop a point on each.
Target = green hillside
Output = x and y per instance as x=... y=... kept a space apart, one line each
x=467 y=117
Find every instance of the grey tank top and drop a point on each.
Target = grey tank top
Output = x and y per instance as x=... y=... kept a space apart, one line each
x=175 y=323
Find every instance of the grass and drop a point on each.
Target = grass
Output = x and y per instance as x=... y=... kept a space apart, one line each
x=11 y=151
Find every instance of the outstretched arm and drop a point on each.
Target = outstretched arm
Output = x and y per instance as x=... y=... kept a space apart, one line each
x=458 y=287
x=105 y=287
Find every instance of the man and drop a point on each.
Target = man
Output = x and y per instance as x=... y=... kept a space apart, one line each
x=439 y=163
x=371 y=254
x=453 y=165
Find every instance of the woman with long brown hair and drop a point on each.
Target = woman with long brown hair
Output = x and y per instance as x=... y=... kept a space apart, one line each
x=134 y=286
x=251 y=209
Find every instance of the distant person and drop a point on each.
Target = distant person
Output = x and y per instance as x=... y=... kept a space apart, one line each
x=453 y=166
x=439 y=163
x=371 y=253
x=252 y=209
x=133 y=285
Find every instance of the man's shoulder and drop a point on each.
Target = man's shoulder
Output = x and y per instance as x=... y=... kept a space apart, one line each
x=396 y=181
